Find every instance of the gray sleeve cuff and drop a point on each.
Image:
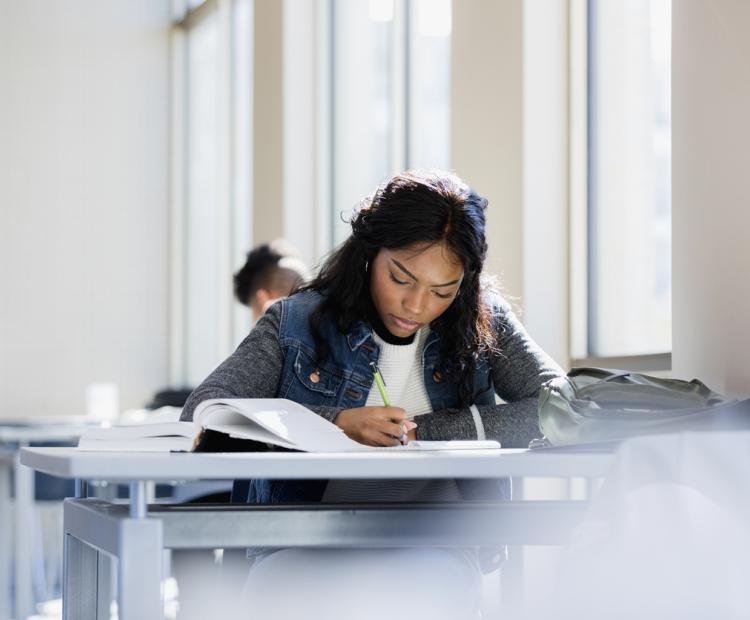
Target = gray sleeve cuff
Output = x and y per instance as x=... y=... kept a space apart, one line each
x=514 y=425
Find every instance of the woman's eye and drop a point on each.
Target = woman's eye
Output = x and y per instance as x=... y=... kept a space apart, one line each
x=396 y=280
x=442 y=295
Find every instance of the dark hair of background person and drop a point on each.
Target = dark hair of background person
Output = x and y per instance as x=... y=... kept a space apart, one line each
x=262 y=270
x=415 y=207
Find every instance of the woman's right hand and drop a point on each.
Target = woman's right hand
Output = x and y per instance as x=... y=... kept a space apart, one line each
x=374 y=426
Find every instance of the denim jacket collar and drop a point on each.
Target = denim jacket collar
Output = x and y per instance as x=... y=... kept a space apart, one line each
x=361 y=332
x=358 y=335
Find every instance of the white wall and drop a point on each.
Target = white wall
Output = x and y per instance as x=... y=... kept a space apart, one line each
x=268 y=121
x=487 y=123
x=83 y=201
x=711 y=192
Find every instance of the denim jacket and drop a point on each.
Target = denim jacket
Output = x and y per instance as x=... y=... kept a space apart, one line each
x=344 y=381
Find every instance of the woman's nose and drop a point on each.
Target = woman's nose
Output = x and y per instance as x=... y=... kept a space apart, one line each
x=413 y=302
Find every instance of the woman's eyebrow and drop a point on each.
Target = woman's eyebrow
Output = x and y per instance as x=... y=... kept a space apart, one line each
x=413 y=277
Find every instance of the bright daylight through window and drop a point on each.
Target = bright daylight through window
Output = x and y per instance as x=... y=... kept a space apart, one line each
x=629 y=177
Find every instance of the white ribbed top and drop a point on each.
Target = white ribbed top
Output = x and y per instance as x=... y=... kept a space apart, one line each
x=401 y=368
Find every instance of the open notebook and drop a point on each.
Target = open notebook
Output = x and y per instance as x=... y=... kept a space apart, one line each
x=246 y=425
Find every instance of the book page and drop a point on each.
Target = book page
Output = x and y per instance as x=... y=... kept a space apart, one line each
x=274 y=420
x=135 y=431
x=140 y=444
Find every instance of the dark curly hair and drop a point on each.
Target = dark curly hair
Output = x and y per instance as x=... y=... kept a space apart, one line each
x=415 y=207
x=272 y=266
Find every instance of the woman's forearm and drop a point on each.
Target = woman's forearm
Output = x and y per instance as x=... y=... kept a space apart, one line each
x=514 y=425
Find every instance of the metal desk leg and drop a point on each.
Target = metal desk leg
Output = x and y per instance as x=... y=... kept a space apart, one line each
x=512 y=573
x=84 y=565
x=24 y=478
x=79 y=565
x=6 y=541
x=106 y=573
x=140 y=568
x=134 y=539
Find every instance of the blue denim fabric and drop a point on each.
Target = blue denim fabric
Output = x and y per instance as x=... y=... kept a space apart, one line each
x=344 y=380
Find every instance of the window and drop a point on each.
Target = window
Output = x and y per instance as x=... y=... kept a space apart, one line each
x=390 y=94
x=428 y=92
x=622 y=195
x=211 y=154
x=381 y=105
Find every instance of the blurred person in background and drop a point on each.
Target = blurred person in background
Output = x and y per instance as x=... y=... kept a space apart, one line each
x=272 y=271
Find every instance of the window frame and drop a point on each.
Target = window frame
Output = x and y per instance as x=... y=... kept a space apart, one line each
x=401 y=107
x=233 y=203
x=580 y=205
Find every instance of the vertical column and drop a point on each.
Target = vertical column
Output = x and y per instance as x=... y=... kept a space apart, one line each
x=545 y=174
x=710 y=189
x=268 y=121
x=487 y=123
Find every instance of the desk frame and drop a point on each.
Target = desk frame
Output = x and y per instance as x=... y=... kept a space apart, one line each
x=94 y=528
x=136 y=534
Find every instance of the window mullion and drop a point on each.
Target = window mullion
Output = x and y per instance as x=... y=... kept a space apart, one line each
x=224 y=175
x=177 y=208
x=578 y=141
x=399 y=86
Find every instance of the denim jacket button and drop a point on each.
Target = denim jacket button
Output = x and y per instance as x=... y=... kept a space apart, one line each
x=315 y=376
x=437 y=377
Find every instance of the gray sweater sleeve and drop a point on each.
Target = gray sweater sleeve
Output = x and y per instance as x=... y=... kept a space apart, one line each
x=518 y=372
x=252 y=371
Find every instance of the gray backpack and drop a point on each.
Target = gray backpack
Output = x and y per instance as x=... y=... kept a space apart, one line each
x=593 y=405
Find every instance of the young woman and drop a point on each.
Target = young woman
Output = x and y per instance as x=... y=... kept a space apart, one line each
x=404 y=293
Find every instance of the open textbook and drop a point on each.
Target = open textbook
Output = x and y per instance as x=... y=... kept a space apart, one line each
x=245 y=425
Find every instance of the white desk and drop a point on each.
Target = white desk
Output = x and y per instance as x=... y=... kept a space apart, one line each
x=137 y=534
x=15 y=434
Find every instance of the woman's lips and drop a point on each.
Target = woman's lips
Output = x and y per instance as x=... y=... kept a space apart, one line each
x=405 y=323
